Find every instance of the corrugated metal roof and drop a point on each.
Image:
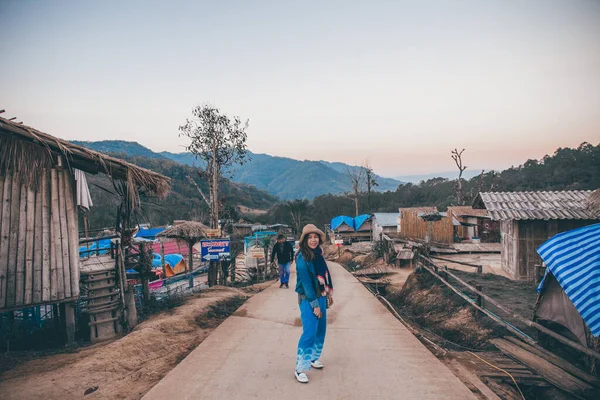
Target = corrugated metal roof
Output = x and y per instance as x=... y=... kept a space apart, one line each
x=386 y=219
x=535 y=205
x=468 y=211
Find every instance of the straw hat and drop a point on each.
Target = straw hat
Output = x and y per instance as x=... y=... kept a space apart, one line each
x=310 y=228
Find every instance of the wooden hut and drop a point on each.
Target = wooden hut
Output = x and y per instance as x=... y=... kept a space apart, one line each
x=528 y=219
x=412 y=225
x=39 y=242
x=471 y=223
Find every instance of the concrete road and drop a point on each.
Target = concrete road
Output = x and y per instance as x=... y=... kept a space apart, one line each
x=368 y=354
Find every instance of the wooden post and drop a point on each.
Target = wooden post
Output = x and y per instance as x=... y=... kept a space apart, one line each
x=479 y=301
x=162 y=256
x=191 y=260
x=70 y=322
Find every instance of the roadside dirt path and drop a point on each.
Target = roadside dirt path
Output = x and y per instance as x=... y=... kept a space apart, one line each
x=128 y=367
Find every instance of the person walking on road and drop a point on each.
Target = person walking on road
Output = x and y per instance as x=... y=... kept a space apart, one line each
x=285 y=254
x=315 y=295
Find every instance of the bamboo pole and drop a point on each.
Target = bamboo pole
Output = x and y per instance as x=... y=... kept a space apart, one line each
x=56 y=284
x=20 y=267
x=29 y=243
x=191 y=262
x=13 y=241
x=46 y=251
x=65 y=265
x=73 y=234
x=479 y=267
x=38 y=248
x=4 y=233
x=516 y=316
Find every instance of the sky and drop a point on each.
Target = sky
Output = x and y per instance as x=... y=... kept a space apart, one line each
x=396 y=83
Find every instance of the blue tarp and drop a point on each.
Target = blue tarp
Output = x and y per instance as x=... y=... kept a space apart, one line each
x=573 y=257
x=103 y=245
x=149 y=233
x=360 y=220
x=338 y=221
x=171 y=259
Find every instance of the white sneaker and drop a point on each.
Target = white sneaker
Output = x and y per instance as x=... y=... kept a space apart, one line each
x=301 y=377
x=317 y=364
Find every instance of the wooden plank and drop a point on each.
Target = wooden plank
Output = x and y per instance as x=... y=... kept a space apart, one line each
x=56 y=279
x=72 y=224
x=103 y=321
x=46 y=251
x=29 y=243
x=556 y=360
x=11 y=279
x=4 y=234
x=38 y=246
x=20 y=278
x=549 y=371
x=518 y=317
x=65 y=266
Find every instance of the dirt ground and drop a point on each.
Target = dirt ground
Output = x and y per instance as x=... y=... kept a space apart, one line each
x=128 y=367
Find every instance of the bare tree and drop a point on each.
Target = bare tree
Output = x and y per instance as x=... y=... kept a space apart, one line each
x=356 y=175
x=219 y=143
x=298 y=210
x=371 y=181
x=457 y=157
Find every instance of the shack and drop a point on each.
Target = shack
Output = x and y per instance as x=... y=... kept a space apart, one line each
x=39 y=242
x=528 y=219
x=412 y=225
x=384 y=223
x=474 y=224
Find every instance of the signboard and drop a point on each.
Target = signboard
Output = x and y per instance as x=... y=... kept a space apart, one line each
x=338 y=242
x=257 y=252
x=214 y=249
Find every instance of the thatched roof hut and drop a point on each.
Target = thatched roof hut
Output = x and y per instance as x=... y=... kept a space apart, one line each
x=191 y=232
x=31 y=152
x=39 y=241
x=593 y=203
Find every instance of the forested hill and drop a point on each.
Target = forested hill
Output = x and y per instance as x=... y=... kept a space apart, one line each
x=283 y=177
x=183 y=202
x=566 y=169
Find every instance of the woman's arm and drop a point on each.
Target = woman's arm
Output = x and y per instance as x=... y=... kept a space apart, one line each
x=307 y=282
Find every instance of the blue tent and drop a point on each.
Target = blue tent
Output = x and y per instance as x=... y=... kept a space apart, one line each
x=171 y=259
x=149 y=233
x=337 y=222
x=102 y=245
x=360 y=220
x=573 y=259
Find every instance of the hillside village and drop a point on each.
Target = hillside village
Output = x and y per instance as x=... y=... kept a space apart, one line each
x=116 y=279
x=285 y=200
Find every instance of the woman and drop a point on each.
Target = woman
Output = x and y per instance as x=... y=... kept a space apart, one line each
x=315 y=291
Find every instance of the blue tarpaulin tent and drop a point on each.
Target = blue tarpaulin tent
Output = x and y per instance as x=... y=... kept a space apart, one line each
x=573 y=261
x=102 y=245
x=339 y=222
x=360 y=221
x=149 y=233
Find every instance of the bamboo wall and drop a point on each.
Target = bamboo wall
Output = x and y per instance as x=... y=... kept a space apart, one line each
x=414 y=227
x=520 y=239
x=39 y=242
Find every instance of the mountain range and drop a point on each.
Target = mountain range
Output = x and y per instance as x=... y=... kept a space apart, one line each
x=283 y=177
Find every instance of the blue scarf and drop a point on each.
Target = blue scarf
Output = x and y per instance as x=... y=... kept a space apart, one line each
x=325 y=284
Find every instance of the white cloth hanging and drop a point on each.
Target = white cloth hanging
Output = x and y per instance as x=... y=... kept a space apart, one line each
x=84 y=200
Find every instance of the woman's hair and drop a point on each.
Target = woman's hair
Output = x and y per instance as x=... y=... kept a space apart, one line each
x=307 y=253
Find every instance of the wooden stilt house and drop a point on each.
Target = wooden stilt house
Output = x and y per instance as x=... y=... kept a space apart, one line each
x=39 y=242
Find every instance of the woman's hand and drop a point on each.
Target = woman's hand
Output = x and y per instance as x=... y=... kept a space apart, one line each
x=330 y=298
x=317 y=312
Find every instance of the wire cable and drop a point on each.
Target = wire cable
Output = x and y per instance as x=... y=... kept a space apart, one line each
x=500 y=369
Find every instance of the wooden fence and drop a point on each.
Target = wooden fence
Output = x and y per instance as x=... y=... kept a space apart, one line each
x=39 y=260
